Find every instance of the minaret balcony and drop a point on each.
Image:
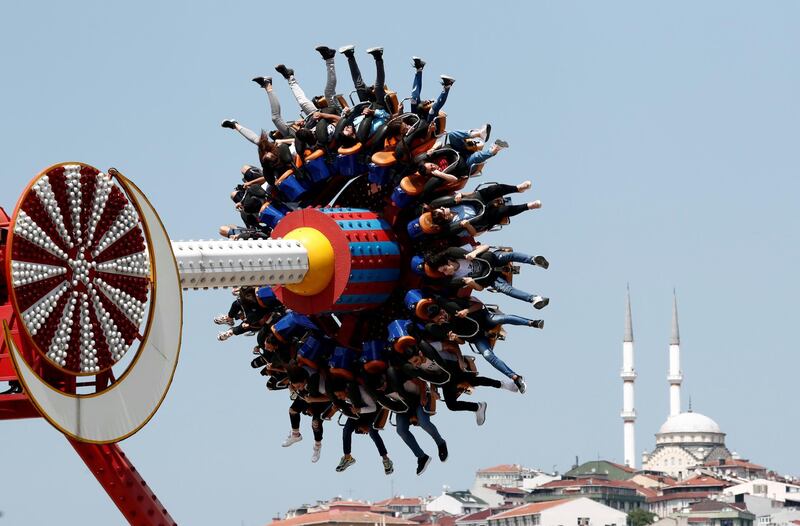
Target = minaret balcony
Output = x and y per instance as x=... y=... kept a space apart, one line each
x=675 y=378
x=628 y=375
x=628 y=416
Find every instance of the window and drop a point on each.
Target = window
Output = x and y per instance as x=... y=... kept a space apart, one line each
x=583 y=521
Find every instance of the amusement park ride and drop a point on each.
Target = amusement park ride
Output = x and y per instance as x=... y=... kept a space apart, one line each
x=91 y=286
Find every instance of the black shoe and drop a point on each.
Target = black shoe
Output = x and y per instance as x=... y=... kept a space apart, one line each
x=520 y=383
x=537 y=324
x=417 y=63
x=326 y=52
x=376 y=52
x=422 y=464
x=443 y=451
x=229 y=123
x=447 y=81
x=540 y=261
x=263 y=81
x=283 y=70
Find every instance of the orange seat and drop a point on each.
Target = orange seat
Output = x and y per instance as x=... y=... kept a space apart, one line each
x=432 y=272
x=427 y=225
x=404 y=342
x=422 y=148
x=350 y=151
x=421 y=309
x=412 y=184
x=316 y=154
x=302 y=360
x=375 y=366
x=391 y=102
x=384 y=158
x=441 y=123
x=342 y=373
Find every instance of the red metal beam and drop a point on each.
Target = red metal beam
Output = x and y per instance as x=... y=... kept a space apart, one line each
x=124 y=485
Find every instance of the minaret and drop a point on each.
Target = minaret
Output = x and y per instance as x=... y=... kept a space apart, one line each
x=675 y=376
x=628 y=376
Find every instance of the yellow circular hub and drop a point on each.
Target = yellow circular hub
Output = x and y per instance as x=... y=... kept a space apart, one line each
x=320 y=261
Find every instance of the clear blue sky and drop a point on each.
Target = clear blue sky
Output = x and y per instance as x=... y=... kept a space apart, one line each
x=662 y=138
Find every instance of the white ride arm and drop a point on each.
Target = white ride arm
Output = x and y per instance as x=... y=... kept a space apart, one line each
x=226 y=263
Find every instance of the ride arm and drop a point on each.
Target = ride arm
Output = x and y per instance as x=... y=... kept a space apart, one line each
x=477 y=251
x=466 y=225
x=327 y=116
x=446 y=176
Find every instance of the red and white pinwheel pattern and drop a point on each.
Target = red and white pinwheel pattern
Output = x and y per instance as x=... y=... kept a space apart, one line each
x=80 y=271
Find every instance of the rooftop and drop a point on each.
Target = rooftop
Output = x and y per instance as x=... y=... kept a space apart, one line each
x=400 y=501
x=505 y=489
x=502 y=468
x=343 y=516
x=599 y=468
x=599 y=482
x=529 y=509
x=477 y=515
x=700 y=480
x=734 y=462
x=465 y=497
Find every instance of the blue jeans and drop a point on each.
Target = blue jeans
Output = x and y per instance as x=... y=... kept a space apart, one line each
x=456 y=140
x=482 y=344
x=505 y=287
x=437 y=105
x=477 y=158
x=424 y=420
x=501 y=285
x=416 y=91
x=493 y=320
x=513 y=257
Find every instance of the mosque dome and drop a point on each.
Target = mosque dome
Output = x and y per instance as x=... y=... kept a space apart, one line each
x=689 y=423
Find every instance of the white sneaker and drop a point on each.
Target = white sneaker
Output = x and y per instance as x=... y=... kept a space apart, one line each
x=480 y=414
x=223 y=319
x=224 y=335
x=486 y=132
x=316 y=451
x=509 y=385
x=346 y=49
x=292 y=439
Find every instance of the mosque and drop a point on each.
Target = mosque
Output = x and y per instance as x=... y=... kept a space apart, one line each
x=687 y=439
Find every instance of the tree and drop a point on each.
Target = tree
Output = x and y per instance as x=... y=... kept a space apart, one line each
x=640 y=517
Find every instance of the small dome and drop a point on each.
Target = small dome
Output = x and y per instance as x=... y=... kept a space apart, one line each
x=689 y=423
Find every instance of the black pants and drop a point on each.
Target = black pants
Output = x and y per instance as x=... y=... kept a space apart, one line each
x=495 y=215
x=350 y=427
x=493 y=191
x=450 y=390
x=361 y=88
x=301 y=406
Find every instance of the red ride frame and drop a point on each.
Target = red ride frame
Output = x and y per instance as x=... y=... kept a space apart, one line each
x=112 y=469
